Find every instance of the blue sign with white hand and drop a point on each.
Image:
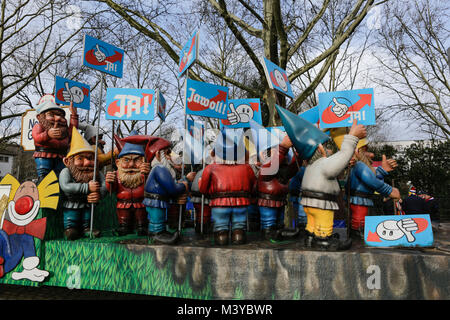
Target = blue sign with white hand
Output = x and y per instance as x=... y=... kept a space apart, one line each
x=277 y=78
x=67 y=91
x=241 y=111
x=130 y=104
x=398 y=230
x=161 y=106
x=103 y=56
x=339 y=109
x=188 y=54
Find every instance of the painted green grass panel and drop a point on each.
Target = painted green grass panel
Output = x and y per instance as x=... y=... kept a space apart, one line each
x=112 y=267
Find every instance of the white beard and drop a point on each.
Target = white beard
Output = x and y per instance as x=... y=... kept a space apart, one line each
x=165 y=163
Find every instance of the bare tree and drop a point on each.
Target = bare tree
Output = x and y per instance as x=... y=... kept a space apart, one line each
x=33 y=38
x=415 y=65
x=267 y=28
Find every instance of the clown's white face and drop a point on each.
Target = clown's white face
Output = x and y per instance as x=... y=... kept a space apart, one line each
x=280 y=79
x=245 y=113
x=25 y=205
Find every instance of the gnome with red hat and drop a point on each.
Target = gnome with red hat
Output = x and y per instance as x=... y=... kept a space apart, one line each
x=161 y=187
x=128 y=184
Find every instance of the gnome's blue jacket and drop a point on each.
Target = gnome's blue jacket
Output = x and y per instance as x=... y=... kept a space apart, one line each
x=161 y=182
x=362 y=179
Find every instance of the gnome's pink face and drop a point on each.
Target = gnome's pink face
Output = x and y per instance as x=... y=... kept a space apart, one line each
x=25 y=205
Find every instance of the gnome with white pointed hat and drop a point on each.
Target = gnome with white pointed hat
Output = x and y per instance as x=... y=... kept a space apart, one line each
x=51 y=135
x=79 y=187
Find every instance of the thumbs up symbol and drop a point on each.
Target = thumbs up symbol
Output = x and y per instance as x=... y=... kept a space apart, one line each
x=99 y=55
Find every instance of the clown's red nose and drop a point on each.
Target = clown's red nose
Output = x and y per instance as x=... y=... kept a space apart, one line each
x=24 y=205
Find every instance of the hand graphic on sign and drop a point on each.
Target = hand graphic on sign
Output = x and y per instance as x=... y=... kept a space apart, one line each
x=233 y=116
x=407 y=226
x=74 y=94
x=99 y=55
x=339 y=109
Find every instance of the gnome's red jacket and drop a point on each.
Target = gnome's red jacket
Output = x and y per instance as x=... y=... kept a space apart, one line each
x=47 y=147
x=126 y=197
x=273 y=186
x=227 y=185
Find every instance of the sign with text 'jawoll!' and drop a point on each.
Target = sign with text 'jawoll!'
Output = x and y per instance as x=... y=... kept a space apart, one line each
x=103 y=56
x=398 y=231
x=68 y=90
x=206 y=100
x=189 y=54
x=338 y=109
x=130 y=104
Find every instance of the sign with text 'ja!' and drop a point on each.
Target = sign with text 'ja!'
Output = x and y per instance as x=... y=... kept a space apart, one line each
x=103 y=56
x=130 y=104
x=339 y=109
x=206 y=99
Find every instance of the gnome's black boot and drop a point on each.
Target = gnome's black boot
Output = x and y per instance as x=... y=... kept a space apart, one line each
x=238 y=236
x=309 y=239
x=221 y=237
x=142 y=230
x=165 y=237
x=123 y=230
x=72 y=234
x=331 y=243
x=272 y=233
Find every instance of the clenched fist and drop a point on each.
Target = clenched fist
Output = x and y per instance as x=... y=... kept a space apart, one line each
x=110 y=177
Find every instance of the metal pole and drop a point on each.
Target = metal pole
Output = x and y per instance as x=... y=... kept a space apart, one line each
x=204 y=162
x=182 y=171
x=96 y=148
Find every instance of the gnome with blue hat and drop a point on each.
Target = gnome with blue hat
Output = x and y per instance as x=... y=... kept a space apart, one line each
x=228 y=182
x=128 y=184
x=161 y=188
x=320 y=186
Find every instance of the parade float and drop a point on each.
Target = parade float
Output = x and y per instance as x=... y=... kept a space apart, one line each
x=78 y=228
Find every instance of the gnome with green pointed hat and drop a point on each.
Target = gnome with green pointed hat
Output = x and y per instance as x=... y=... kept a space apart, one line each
x=320 y=187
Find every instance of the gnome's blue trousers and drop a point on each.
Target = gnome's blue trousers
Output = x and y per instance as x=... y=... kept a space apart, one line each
x=271 y=217
x=14 y=247
x=300 y=213
x=45 y=165
x=221 y=217
x=156 y=218
x=74 y=218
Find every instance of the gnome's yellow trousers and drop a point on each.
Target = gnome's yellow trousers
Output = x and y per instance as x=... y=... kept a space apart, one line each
x=319 y=221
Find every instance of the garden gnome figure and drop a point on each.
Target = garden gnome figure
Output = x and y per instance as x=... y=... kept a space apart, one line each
x=128 y=184
x=51 y=135
x=320 y=187
x=79 y=188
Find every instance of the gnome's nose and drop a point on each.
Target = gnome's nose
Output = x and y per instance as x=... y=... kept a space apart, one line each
x=24 y=205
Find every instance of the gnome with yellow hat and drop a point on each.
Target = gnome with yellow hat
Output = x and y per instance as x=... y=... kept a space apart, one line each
x=363 y=181
x=79 y=187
